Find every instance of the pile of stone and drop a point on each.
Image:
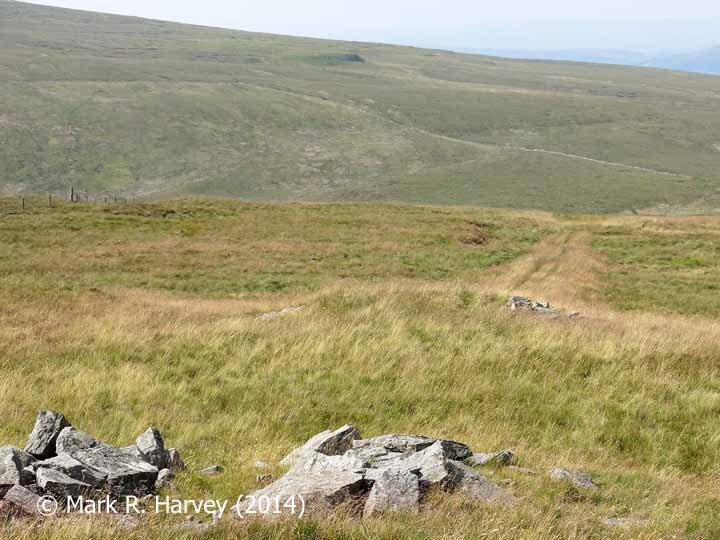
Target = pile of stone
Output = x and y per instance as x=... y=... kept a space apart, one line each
x=62 y=461
x=539 y=308
x=339 y=469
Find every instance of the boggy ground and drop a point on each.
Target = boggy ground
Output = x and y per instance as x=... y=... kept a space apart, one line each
x=128 y=316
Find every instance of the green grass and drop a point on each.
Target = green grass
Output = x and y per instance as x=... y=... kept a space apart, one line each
x=669 y=266
x=225 y=248
x=159 y=109
x=125 y=316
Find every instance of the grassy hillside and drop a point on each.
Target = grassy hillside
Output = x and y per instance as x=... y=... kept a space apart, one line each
x=123 y=316
x=157 y=109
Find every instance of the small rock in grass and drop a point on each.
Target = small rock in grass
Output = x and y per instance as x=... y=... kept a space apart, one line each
x=523 y=470
x=275 y=314
x=503 y=457
x=212 y=470
x=624 y=522
x=578 y=479
x=261 y=465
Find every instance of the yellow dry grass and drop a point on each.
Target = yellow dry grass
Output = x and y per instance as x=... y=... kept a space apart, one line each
x=632 y=397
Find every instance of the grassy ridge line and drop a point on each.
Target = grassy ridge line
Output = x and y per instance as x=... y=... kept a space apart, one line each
x=162 y=108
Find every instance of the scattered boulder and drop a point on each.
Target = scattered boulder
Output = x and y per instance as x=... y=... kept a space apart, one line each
x=174 y=461
x=152 y=448
x=455 y=450
x=502 y=457
x=430 y=464
x=330 y=443
x=23 y=500
x=212 y=470
x=53 y=481
x=13 y=462
x=71 y=440
x=374 y=456
x=48 y=426
x=475 y=486
x=71 y=467
x=123 y=471
x=133 y=451
x=578 y=479
x=404 y=443
x=394 y=490
x=316 y=461
x=260 y=465
x=322 y=491
x=396 y=442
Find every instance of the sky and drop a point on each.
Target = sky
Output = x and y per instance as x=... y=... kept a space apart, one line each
x=648 y=25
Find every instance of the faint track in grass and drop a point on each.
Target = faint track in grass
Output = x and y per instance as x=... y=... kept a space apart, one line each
x=562 y=269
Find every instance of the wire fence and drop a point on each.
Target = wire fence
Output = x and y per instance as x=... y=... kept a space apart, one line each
x=27 y=202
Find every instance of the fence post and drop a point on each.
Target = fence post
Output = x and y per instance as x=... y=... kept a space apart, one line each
x=72 y=194
x=22 y=202
x=49 y=200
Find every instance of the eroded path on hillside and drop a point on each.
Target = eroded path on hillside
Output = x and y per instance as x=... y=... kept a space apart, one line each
x=479 y=145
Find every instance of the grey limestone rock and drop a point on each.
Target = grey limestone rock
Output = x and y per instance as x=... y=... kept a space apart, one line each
x=48 y=426
x=395 y=490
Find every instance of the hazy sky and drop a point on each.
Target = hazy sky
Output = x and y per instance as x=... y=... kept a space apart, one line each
x=641 y=24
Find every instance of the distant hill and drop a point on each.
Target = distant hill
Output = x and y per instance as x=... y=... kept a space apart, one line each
x=706 y=61
x=597 y=56
x=156 y=109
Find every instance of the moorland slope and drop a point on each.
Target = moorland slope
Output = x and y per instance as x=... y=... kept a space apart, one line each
x=155 y=109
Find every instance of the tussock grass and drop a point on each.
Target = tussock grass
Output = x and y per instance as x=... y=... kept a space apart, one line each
x=631 y=397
